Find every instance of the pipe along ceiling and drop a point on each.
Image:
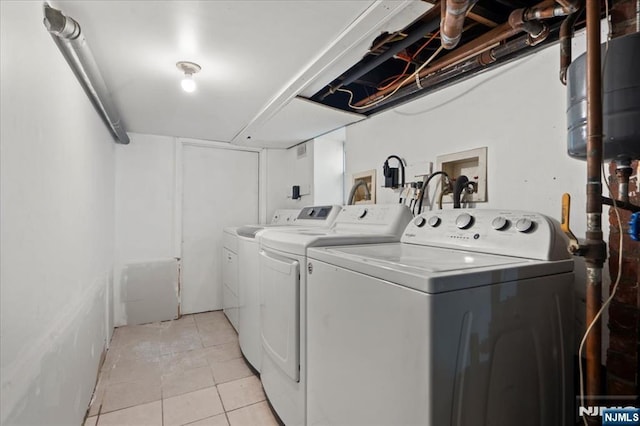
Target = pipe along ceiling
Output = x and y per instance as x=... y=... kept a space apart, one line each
x=452 y=41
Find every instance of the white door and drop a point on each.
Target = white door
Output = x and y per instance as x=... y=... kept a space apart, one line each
x=219 y=188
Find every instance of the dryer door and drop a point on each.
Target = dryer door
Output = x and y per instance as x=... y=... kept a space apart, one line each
x=280 y=311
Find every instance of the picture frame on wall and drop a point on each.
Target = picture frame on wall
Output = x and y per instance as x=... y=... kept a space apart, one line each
x=365 y=193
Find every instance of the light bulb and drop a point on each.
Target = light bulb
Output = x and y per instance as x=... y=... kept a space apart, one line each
x=188 y=84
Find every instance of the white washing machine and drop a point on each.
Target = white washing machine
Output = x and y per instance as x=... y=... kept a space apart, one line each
x=466 y=322
x=249 y=277
x=283 y=296
x=231 y=262
x=230 y=269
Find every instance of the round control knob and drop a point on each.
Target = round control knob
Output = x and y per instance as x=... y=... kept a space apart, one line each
x=499 y=223
x=311 y=212
x=419 y=221
x=434 y=221
x=361 y=213
x=524 y=225
x=464 y=221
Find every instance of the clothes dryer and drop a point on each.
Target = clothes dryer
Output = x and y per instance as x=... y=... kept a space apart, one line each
x=230 y=265
x=249 y=278
x=283 y=295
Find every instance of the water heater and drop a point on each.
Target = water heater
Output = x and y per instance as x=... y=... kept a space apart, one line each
x=621 y=101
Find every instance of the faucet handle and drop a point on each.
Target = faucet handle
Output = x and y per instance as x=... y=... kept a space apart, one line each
x=574 y=246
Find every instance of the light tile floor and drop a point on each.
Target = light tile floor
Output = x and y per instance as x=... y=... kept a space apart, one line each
x=184 y=372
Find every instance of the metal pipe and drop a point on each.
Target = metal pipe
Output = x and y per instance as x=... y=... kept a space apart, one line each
x=566 y=34
x=623 y=173
x=624 y=205
x=564 y=7
x=483 y=59
x=596 y=248
x=67 y=35
x=452 y=22
x=354 y=74
x=536 y=29
x=486 y=41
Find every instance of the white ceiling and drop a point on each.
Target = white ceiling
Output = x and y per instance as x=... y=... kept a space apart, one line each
x=256 y=56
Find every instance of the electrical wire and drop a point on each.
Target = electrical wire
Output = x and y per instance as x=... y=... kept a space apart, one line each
x=415 y=55
x=397 y=78
x=376 y=102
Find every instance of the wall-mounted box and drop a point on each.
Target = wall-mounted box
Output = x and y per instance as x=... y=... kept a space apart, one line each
x=473 y=165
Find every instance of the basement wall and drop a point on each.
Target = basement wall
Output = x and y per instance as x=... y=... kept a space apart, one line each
x=517 y=111
x=148 y=204
x=146 y=265
x=317 y=166
x=285 y=168
x=57 y=226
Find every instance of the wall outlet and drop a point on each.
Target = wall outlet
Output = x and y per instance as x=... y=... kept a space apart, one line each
x=472 y=164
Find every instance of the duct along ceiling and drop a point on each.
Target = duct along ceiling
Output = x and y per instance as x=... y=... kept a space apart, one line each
x=452 y=41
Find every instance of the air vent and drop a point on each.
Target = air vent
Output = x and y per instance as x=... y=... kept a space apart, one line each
x=302 y=150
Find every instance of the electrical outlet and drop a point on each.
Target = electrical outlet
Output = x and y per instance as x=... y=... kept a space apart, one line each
x=472 y=164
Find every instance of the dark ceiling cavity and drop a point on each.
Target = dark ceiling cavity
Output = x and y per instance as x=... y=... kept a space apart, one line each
x=454 y=40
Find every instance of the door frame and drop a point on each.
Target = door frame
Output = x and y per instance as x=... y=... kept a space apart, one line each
x=178 y=170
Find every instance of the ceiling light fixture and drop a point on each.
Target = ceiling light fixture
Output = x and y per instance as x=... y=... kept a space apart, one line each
x=189 y=69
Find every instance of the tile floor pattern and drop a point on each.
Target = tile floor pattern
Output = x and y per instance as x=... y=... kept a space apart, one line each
x=184 y=372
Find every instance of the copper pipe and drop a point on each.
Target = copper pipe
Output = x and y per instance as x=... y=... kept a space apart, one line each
x=536 y=29
x=596 y=248
x=566 y=34
x=484 y=42
x=452 y=22
x=468 y=65
x=481 y=20
x=564 y=7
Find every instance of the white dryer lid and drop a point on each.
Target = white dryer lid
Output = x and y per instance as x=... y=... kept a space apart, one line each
x=433 y=269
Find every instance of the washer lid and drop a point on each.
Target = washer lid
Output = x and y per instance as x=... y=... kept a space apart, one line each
x=231 y=230
x=296 y=241
x=433 y=269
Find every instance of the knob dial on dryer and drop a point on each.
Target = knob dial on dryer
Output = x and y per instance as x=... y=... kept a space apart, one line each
x=433 y=221
x=524 y=225
x=499 y=223
x=464 y=221
x=360 y=213
x=419 y=221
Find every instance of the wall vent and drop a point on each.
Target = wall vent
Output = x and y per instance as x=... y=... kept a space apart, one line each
x=302 y=150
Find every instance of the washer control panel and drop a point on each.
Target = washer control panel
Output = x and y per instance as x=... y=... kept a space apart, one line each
x=508 y=232
x=285 y=216
x=371 y=213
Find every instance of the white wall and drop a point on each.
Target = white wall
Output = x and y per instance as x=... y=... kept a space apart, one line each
x=148 y=241
x=283 y=170
x=57 y=225
x=145 y=270
x=328 y=168
x=517 y=111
